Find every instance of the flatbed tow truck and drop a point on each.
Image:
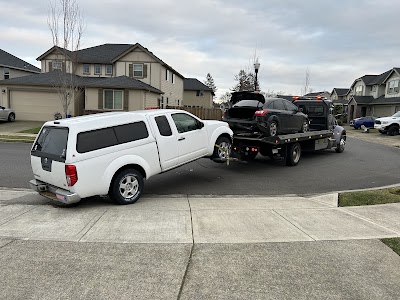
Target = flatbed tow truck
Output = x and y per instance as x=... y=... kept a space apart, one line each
x=324 y=133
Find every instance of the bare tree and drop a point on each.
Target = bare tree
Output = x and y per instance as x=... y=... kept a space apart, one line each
x=306 y=83
x=66 y=25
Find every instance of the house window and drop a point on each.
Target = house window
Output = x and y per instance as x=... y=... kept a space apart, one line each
x=166 y=75
x=86 y=69
x=393 y=87
x=199 y=93
x=374 y=88
x=359 y=90
x=57 y=65
x=113 y=99
x=109 y=69
x=6 y=73
x=173 y=78
x=137 y=70
x=97 y=69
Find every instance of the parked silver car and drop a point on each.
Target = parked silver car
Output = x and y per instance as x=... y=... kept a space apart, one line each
x=7 y=114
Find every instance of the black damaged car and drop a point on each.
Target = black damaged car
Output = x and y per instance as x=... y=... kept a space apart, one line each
x=251 y=112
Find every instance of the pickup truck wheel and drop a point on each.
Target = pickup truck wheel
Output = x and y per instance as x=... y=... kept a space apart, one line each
x=293 y=154
x=127 y=187
x=393 y=130
x=342 y=144
x=272 y=128
x=222 y=149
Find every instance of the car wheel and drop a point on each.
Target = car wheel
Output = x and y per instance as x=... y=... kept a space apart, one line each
x=342 y=144
x=272 y=128
x=393 y=130
x=293 y=154
x=127 y=187
x=11 y=117
x=304 y=127
x=222 y=149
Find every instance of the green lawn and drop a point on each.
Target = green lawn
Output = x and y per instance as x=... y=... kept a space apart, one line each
x=370 y=197
x=393 y=243
x=14 y=138
x=32 y=130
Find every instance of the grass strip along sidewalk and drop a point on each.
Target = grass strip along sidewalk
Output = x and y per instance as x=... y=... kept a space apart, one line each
x=374 y=197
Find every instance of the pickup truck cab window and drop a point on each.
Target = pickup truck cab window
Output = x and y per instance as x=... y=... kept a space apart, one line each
x=163 y=126
x=185 y=123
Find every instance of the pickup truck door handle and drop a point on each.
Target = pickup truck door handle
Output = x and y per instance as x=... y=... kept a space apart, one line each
x=181 y=139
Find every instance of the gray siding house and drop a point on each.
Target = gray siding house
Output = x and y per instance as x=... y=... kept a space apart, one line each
x=375 y=95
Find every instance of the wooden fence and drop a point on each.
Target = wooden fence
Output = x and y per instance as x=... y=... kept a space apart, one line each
x=202 y=113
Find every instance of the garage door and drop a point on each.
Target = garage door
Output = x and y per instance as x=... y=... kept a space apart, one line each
x=35 y=106
x=383 y=111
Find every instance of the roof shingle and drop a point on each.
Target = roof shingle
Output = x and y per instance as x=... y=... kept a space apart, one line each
x=9 y=60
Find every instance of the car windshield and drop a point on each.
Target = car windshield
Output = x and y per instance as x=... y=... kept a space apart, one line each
x=248 y=103
x=396 y=115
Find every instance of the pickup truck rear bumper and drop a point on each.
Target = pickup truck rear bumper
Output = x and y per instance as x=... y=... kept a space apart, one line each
x=54 y=193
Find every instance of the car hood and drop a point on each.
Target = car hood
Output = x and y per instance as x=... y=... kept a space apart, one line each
x=387 y=119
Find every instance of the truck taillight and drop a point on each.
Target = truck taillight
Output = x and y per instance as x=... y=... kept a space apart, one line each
x=71 y=174
x=260 y=113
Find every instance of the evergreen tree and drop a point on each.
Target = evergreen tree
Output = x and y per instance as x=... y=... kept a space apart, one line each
x=210 y=83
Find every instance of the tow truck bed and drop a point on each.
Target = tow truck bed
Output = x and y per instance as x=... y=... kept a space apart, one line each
x=284 y=139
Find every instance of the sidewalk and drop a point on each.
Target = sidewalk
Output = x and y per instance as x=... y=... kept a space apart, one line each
x=195 y=247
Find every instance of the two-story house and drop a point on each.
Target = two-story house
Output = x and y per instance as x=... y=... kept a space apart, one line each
x=375 y=95
x=197 y=94
x=107 y=77
x=12 y=67
x=338 y=95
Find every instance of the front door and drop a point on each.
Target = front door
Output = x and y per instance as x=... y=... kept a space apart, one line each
x=192 y=137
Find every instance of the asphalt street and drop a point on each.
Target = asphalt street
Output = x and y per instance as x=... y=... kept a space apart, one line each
x=361 y=165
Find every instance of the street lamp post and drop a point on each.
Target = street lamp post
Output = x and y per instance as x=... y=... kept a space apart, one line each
x=256 y=68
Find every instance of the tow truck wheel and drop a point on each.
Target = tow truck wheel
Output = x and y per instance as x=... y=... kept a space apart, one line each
x=342 y=144
x=293 y=154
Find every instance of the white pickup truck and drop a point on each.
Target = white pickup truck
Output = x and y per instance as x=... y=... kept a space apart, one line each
x=389 y=125
x=112 y=153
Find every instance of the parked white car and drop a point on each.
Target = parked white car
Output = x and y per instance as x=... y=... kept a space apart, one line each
x=7 y=114
x=389 y=125
x=112 y=153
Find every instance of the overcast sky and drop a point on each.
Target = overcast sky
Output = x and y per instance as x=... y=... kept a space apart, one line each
x=338 y=41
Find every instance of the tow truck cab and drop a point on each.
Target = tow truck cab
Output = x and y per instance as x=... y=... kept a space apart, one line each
x=319 y=111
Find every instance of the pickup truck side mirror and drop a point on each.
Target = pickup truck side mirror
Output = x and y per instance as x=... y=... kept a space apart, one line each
x=201 y=124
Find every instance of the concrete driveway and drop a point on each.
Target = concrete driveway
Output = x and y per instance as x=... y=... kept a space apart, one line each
x=17 y=126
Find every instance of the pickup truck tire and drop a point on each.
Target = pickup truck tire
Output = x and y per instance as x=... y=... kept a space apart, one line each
x=393 y=130
x=222 y=149
x=293 y=154
x=342 y=143
x=127 y=187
